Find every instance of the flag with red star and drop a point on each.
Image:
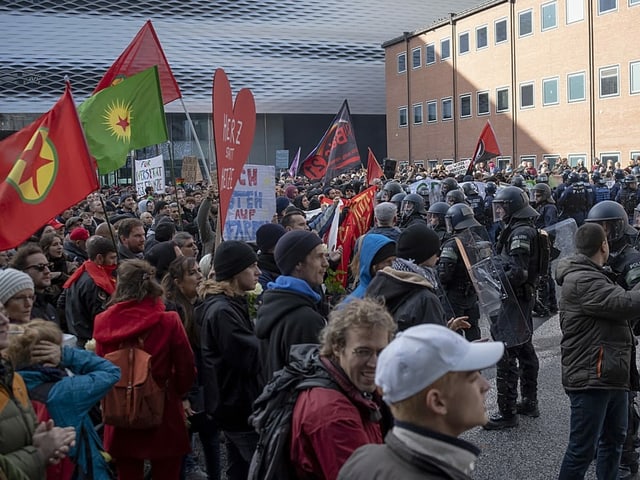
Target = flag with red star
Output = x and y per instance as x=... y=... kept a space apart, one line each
x=44 y=169
x=125 y=117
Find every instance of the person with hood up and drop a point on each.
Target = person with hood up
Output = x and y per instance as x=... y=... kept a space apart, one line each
x=138 y=312
x=376 y=252
x=266 y=238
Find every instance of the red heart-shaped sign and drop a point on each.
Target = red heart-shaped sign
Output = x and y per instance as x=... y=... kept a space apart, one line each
x=234 y=126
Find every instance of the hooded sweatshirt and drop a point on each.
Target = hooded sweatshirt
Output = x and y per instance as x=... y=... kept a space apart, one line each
x=371 y=245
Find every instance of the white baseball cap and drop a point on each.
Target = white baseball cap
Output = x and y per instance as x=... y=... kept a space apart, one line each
x=420 y=355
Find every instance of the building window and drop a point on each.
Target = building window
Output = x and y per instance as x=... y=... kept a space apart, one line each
x=445 y=49
x=501 y=30
x=502 y=100
x=576 y=159
x=402 y=117
x=463 y=43
x=551 y=160
x=447 y=109
x=634 y=2
x=482 y=39
x=430 y=54
x=576 y=87
x=526 y=95
x=483 y=103
x=432 y=164
x=609 y=82
x=416 y=57
x=417 y=114
x=549 y=16
x=525 y=23
x=635 y=155
x=608 y=157
x=605 y=6
x=634 y=70
x=528 y=159
x=550 y=91
x=575 y=11
x=402 y=63
x=432 y=111
x=465 y=106
x=503 y=162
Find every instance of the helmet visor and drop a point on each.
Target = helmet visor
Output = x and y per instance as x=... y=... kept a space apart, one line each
x=499 y=212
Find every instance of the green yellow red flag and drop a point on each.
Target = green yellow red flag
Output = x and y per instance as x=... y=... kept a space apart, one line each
x=44 y=169
x=124 y=117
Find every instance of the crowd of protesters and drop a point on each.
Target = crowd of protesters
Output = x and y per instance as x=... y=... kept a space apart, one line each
x=223 y=321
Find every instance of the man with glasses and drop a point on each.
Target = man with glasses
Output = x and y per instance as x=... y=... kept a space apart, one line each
x=31 y=260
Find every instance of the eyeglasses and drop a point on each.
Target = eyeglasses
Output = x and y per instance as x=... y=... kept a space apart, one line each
x=365 y=353
x=40 y=267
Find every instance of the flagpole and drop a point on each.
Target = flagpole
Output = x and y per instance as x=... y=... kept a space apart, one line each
x=175 y=185
x=195 y=135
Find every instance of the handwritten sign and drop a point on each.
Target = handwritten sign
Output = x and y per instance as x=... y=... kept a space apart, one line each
x=150 y=173
x=252 y=204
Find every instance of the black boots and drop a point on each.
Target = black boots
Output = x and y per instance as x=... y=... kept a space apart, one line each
x=528 y=407
x=500 y=421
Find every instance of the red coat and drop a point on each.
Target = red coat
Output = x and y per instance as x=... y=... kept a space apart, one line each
x=328 y=426
x=173 y=360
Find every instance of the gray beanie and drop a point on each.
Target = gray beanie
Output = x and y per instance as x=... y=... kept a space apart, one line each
x=11 y=282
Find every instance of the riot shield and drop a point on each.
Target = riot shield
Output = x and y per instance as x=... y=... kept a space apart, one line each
x=496 y=300
x=561 y=237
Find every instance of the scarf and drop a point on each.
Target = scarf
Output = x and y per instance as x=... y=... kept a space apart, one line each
x=102 y=275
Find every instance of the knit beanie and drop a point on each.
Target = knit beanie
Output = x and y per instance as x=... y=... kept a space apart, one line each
x=386 y=251
x=13 y=281
x=293 y=247
x=418 y=243
x=79 y=233
x=160 y=256
x=232 y=257
x=268 y=235
x=164 y=231
x=281 y=204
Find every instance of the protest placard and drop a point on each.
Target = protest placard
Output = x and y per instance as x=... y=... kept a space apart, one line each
x=150 y=173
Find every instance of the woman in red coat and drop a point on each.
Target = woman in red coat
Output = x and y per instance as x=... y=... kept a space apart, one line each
x=137 y=310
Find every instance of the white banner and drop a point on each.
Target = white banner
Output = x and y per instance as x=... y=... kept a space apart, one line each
x=458 y=168
x=253 y=203
x=150 y=172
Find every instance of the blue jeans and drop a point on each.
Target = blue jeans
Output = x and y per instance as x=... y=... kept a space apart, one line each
x=598 y=421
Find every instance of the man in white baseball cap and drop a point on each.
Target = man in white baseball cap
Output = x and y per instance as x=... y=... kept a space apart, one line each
x=430 y=378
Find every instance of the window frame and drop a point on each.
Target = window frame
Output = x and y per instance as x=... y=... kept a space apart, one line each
x=486 y=32
x=415 y=50
x=426 y=54
x=583 y=74
x=574 y=158
x=442 y=108
x=533 y=95
x=553 y=3
x=434 y=103
x=413 y=113
x=442 y=57
x=503 y=161
x=604 y=12
x=600 y=78
x=406 y=116
x=546 y=80
x=506 y=31
x=520 y=14
x=635 y=64
x=551 y=159
x=488 y=112
x=529 y=158
x=401 y=55
x=460 y=35
x=508 y=108
x=634 y=3
x=566 y=12
x=467 y=96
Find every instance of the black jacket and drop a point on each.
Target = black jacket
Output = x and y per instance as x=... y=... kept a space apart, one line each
x=73 y=253
x=230 y=359
x=409 y=297
x=268 y=268
x=285 y=318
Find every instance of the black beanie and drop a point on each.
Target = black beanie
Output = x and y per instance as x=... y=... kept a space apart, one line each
x=232 y=257
x=160 y=256
x=386 y=251
x=293 y=247
x=268 y=235
x=418 y=243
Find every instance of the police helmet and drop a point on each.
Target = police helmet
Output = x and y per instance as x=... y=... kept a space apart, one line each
x=412 y=203
x=438 y=210
x=629 y=179
x=518 y=181
x=542 y=178
x=448 y=184
x=455 y=196
x=545 y=191
x=397 y=200
x=612 y=216
x=470 y=188
x=618 y=174
x=490 y=188
x=389 y=190
x=584 y=177
x=573 y=177
x=512 y=202
x=459 y=217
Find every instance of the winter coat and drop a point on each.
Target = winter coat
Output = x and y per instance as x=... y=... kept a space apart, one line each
x=289 y=315
x=412 y=453
x=172 y=364
x=409 y=297
x=71 y=398
x=328 y=425
x=371 y=245
x=230 y=358
x=392 y=232
x=73 y=253
x=17 y=423
x=269 y=271
x=597 y=346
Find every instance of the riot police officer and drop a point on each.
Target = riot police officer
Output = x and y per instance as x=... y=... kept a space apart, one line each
x=600 y=188
x=618 y=176
x=475 y=201
x=389 y=190
x=412 y=210
x=624 y=261
x=397 y=201
x=447 y=185
x=455 y=196
x=628 y=195
x=574 y=201
x=436 y=220
x=546 y=301
x=491 y=226
x=453 y=273
x=518 y=253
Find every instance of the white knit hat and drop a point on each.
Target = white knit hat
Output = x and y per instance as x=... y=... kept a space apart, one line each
x=11 y=282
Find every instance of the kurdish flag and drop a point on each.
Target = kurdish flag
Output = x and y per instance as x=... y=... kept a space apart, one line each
x=124 y=117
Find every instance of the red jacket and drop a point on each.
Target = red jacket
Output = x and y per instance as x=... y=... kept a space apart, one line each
x=172 y=360
x=328 y=426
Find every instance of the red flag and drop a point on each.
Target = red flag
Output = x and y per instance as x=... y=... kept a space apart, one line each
x=336 y=153
x=487 y=147
x=44 y=169
x=143 y=52
x=373 y=168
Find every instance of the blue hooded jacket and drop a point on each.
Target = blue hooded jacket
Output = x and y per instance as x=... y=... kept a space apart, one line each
x=371 y=245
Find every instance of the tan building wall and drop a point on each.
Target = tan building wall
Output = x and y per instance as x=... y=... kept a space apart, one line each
x=537 y=65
